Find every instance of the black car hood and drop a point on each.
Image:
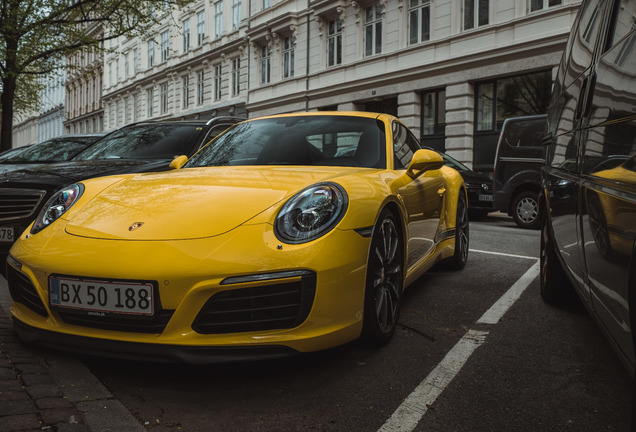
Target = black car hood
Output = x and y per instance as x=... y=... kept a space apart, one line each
x=6 y=167
x=57 y=175
x=475 y=177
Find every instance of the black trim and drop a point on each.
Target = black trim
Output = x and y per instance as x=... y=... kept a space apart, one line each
x=148 y=352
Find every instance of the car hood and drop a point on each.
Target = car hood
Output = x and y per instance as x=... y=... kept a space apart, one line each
x=56 y=175
x=189 y=203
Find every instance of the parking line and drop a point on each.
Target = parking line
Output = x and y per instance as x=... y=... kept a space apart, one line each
x=413 y=408
x=503 y=254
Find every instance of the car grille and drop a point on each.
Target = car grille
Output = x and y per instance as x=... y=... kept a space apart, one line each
x=137 y=324
x=19 y=203
x=24 y=292
x=270 y=307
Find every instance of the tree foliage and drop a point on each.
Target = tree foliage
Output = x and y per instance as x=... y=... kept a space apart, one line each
x=36 y=36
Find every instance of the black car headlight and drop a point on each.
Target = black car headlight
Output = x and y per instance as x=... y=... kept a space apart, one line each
x=55 y=207
x=311 y=213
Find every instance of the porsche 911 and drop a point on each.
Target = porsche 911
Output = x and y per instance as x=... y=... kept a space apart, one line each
x=286 y=234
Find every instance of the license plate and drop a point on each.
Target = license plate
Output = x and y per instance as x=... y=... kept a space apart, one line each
x=7 y=235
x=102 y=296
x=485 y=197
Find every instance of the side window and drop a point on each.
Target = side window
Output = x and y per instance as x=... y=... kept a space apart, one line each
x=581 y=47
x=611 y=140
x=404 y=145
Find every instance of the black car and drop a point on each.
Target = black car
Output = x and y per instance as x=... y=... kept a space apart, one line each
x=588 y=201
x=478 y=187
x=139 y=147
x=57 y=149
x=517 y=170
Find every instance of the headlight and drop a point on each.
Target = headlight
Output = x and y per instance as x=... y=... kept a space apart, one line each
x=57 y=206
x=311 y=213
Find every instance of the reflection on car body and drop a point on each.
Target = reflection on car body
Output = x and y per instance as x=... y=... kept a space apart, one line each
x=589 y=232
x=286 y=234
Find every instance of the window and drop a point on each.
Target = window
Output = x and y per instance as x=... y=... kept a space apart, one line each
x=218 y=19
x=267 y=4
x=164 y=98
x=236 y=76
x=511 y=97
x=186 y=92
x=150 y=101
x=404 y=146
x=200 y=86
x=236 y=14
x=186 y=35
x=288 y=57
x=200 y=27
x=218 y=70
x=110 y=74
x=434 y=119
x=127 y=65
x=165 y=45
x=151 y=54
x=419 y=21
x=265 y=64
x=334 y=42
x=535 y=5
x=475 y=13
x=373 y=30
x=135 y=60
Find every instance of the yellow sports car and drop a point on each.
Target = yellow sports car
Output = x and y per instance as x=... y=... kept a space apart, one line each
x=286 y=234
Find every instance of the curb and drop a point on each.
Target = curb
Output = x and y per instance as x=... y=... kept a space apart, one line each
x=51 y=392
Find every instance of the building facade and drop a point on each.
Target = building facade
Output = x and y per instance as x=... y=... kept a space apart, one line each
x=84 y=112
x=452 y=70
x=51 y=118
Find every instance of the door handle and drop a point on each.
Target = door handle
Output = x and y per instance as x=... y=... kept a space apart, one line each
x=441 y=191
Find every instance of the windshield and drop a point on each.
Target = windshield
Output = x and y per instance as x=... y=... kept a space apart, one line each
x=146 y=141
x=322 y=140
x=54 y=150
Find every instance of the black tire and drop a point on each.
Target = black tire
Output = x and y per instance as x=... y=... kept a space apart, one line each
x=525 y=210
x=384 y=281
x=556 y=288
x=460 y=257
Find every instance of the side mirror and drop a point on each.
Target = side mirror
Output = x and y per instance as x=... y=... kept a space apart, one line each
x=424 y=160
x=178 y=162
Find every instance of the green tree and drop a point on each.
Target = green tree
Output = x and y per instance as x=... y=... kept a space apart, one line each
x=36 y=36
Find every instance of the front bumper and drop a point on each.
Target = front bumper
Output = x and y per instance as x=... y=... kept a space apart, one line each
x=188 y=273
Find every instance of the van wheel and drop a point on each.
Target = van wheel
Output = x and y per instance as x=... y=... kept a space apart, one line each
x=525 y=210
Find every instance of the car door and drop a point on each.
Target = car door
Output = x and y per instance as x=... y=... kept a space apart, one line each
x=567 y=121
x=608 y=179
x=423 y=198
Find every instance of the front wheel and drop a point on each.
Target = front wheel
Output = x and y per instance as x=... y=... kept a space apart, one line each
x=525 y=210
x=384 y=282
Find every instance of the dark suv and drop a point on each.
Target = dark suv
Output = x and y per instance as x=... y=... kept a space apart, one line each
x=139 y=147
x=588 y=201
x=517 y=172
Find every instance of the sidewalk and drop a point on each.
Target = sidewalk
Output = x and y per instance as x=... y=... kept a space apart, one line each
x=44 y=390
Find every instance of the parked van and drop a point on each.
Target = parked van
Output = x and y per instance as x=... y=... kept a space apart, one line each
x=588 y=201
x=517 y=169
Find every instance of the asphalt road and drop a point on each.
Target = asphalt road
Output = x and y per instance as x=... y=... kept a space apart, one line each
x=477 y=350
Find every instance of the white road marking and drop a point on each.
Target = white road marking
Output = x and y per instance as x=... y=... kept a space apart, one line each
x=413 y=408
x=503 y=254
x=496 y=311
